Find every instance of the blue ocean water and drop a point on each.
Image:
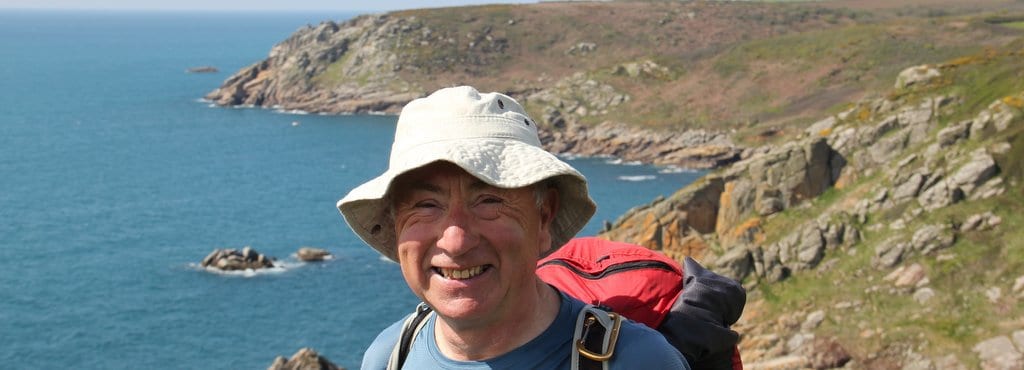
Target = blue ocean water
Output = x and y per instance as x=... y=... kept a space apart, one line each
x=115 y=180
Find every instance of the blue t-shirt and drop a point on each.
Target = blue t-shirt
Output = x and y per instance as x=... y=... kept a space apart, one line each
x=638 y=347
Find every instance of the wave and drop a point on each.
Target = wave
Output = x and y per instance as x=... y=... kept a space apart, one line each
x=291 y=111
x=619 y=161
x=280 y=266
x=637 y=178
x=247 y=273
x=674 y=169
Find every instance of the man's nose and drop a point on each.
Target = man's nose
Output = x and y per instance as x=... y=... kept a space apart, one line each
x=457 y=236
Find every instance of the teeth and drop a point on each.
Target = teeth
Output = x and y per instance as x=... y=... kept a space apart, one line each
x=462 y=274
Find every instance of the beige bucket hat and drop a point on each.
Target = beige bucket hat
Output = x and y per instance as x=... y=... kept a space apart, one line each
x=487 y=135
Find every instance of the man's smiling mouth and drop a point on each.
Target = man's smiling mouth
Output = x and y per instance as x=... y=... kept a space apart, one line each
x=461 y=274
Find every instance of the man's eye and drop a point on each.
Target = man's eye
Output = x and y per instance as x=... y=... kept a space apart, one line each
x=488 y=207
x=425 y=205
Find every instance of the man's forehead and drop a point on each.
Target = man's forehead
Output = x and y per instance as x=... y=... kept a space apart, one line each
x=437 y=176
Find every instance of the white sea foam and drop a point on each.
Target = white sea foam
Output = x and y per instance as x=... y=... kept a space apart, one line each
x=637 y=178
x=248 y=273
x=674 y=169
x=280 y=266
x=300 y=262
x=620 y=161
x=292 y=111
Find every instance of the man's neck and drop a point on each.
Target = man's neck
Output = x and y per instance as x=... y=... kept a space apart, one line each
x=483 y=342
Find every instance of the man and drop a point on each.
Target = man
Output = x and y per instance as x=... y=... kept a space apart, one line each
x=468 y=205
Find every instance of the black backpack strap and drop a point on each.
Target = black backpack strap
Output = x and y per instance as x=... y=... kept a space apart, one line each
x=597 y=331
x=410 y=328
x=699 y=322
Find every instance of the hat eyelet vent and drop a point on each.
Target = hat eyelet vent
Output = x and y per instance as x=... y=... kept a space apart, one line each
x=501 y=104
x=375 y=230
x=527 y=121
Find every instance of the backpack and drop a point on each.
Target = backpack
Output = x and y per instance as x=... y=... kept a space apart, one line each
x=691 y=306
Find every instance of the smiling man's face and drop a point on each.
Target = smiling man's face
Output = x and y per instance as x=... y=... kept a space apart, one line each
x=469 y=249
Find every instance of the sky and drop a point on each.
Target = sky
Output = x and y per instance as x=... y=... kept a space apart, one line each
x=243 y=5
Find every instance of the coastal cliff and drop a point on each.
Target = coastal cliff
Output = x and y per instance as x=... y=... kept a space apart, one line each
x=619 y=78
x=866 y=156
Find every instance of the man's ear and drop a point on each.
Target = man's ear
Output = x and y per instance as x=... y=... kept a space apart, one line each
x=548 y=210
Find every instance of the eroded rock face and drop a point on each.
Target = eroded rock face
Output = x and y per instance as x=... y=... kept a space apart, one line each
x=233 y=260
x=674 y=226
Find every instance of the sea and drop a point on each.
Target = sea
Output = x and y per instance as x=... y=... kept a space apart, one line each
x=116 y=179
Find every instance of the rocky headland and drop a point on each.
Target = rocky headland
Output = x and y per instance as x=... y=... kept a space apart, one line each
x=630 y=79
x=866 y=155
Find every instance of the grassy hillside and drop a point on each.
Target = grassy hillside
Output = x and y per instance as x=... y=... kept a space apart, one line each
x=879 y=322
x=756 y=67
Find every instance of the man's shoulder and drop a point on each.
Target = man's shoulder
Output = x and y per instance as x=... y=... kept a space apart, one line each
x=376 y=357
x=640 y=347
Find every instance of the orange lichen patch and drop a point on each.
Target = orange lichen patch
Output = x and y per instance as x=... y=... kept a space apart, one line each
x=650 y=237
x=961 y=61
x=1014 y=101
x=692 y=245
x=825 y=132
x=725 y=200
x=863 y=114
x=749 y=231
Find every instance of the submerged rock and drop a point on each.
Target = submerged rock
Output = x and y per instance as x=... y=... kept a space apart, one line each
x=233 y=259
x=202 y=69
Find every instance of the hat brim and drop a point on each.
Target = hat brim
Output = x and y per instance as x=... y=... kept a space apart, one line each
x=497 y=162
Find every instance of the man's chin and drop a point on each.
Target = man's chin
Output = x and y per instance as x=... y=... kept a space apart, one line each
x=462 y=310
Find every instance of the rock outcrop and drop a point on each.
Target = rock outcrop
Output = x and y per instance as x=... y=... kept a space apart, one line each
x=304 y=359
x=233 y=259
x=309 y=254
x=728 y=207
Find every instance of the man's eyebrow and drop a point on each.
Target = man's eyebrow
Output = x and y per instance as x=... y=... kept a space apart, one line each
x=478 y=185
x=424 y=186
